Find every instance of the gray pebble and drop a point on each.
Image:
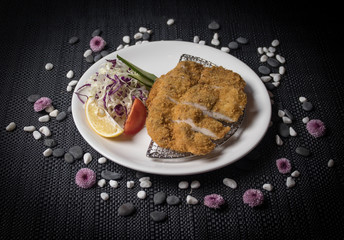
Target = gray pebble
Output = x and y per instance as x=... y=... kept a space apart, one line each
x=96 y=32
x=68 y=157
x=283 y=130
x=141 y=174
x=145 y=36
x=214 y=25
x=269 y=86
x=173 y=200
x=89 y=59
x=307 y=106
x=302 y=151
x=233 y=45
x=159 y=198
x=289 y=115
x=58 y=152
x=76 y=152
x=69 y=109
x=158 y=216
x=73 y=40
x=264 y=70
x=242 y=40
x=61 y=116
x=97 y=57
x=49 y=142
x=108 y=175
x=104 y=53
x=273 y=62
x=33 y=98
x=126 y=209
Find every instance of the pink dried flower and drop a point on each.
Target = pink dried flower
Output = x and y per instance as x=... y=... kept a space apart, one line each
x=97 y=44
x=85 y=178
x=213 y=201
x=316 y=128
x=253 y=197
x=283 y=165
x=42 y=103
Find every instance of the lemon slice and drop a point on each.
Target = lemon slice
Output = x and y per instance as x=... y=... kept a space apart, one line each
x=100 y=121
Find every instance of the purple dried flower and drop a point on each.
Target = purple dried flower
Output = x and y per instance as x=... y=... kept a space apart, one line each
x=283 y=165
x=213 y=201
x=253 y=197
x=316 y=128
x=97 y=44
x=85 y=178
x=42 y=104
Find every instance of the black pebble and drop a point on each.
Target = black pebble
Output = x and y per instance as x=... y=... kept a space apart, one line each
x=242 y=40
x=214 y=25
x=307 y=106
x=96 y=32
x=145 y=36
x=58 y=152
x=61 y=116
x=141 y=174
x=159 y=198
x=33 y=98
x=273 y=62
x=158 y=216
x=172 y=200
x=264 y=70
x=73 y=40
x=108 y=175
x=302 y=151
x=68 y=158
x=233 y=45
x=49 y=142
x=283 y=130
x=89 y=59
x=76 y=152
x=126 y=209
x=269 y=86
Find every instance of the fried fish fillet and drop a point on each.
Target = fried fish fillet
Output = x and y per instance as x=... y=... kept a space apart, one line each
x=186 y=105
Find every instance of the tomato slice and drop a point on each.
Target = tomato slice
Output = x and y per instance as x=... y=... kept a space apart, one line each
x=136 y=118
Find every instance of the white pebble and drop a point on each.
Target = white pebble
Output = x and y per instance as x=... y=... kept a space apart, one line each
x=87 y=158
x=268 y=187
x=292 y=132
x=195 y=184
x=37 y=135
x=330 y=163
x=137 y=35
x=73 y=83
x=113 y=183
x=281 y=113
x=49 y=66
x=101 y=182
x=302 y=99
x=149 y=31
x=49 y=109
x=225 y=49
x=191 y=200
x=276 y=84
x=265 y=49
x=138 y=42
x=47 y=152
x=44 y=118
x=277 y=78
x=126 y=39
x=141 y=194
x=295 y=173
x=281 y=70
x=104 y=196
x=69 y=88
x=170 y=21
x=102 y=160
x=130 y=184
x=87 y=53
x=290 y=182
x=10 y=127
x=70 y=74
x=144 y=179
x=216 y=36
x=54 y=113
x=280 y=58
x=142 y=29
x=272 y=49
x=196 y=39
x=119 y=47
x=286 y=120
x=215 y=42
x=146 y=184
x=29 y=128
x=45 y=131
x=230 y=183
x=260 y=50
x=183 y=185
x=263 y=58
x=275 y=43
x=265 y=78
x=145 y=41
x=126 y=45
x=305 y=120
x=202 y=42
x=279 y=141
x=270 y=54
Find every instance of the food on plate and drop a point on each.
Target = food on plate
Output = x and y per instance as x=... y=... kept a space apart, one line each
x=136 y=118
x=187 y=105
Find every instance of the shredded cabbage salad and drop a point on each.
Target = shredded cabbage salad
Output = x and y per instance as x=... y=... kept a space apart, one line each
x=113 y=90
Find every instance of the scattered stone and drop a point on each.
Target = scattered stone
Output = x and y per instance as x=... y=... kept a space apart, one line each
x=289 y=115
x=281 y=113
x=214 y=25
x=295 y=174
x=272 y=49
x=44 y=118
x=89 y=59
x=191 y=200
x=273 y=62
x=265 y=78
x=33 y=98
x=233 y=45
x=264 y=70
x=68 y=157
x=225 y=49
x=101 y=182
x=196 y=39
x=158 y=216
x=73 y=40
x=202 y=42
x=283 y=130
x=330 y=163
x=97 y=57
x=292 y=132
x=137 y=36
x=126 y=209
x=49 y=109
x=142 y=29
x=49 y=66
x=61 y=116
x=108 y=175
x=70 y=74
x=290 y=182
x=104 y=53
x=69 y=88
x=87 y=53
x=146 y=184
x=119 y=47
x=183 y=185
x=47 y=152
x=270 y=54
x=263 y=58
x=276 y=77
x=279 y=141
x=280 y=58
x=286 y=120
x=307 y=106
x=230 y=183
x=69 y=109
x=37 y=135
x=242 y=40
x=113 y=183
x=270 y=86
x=145 y=36
x=276 y=84
x=302 y=99
x=170 y=21
x=58 y=152
x=302 y=151
x=159 y=198
x=268 y=187
x=141 y=194
x=102 y=160
x=73 y=83
x=29 y=128
x=173 y=200
x=215 y=42
x=275 y=43
x=144 y=179
x=281 y=70
x=305 y=120
x=45 y=131
x=195 y=184
x=126 y=39
x=87 y=158
x=104 y=196
x=130 y=184
x=76 y=152
x=260 y=50
x=49 y=142
x=96 y=32
x=11 y=126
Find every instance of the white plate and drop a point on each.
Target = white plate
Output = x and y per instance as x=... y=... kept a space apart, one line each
x=159 y=58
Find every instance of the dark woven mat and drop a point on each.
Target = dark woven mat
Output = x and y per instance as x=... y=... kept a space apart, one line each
x=39 y=198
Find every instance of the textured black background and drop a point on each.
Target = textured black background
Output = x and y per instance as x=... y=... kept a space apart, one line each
x=39 y=198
